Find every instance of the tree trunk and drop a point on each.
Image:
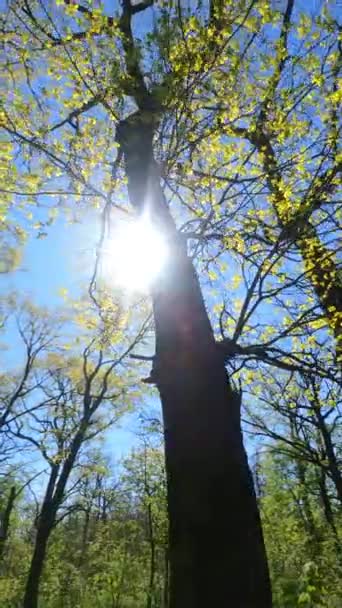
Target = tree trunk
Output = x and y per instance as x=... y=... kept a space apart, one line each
x=45 y=525
x=324 y=275
x=334 y=469
x=53 y=498
x=312 y=534
x=84 y=538
x=326 y=505
x=150 y=591
x=320 y=264
x=166 y=579
x=217 y=554
x=5 y=520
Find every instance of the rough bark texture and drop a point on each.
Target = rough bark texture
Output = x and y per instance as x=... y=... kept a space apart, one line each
x=217 y=555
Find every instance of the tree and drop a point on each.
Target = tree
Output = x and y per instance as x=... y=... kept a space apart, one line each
x=306 y=422
x=74 y=395
x=37 y=331
x=301 y=546
x=212 y=119
x=144 y=476
x=211 y=501
x=100 y=551
x=11 y=489
x=275 y=99
x=5 y=516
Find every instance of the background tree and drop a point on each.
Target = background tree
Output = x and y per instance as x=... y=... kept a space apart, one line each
x=76 y=394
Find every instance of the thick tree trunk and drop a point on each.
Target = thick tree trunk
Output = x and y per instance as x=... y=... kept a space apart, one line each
x=217 y=555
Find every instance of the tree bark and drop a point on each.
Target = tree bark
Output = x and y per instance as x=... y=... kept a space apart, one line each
x=216 y=549
x=53 y=498
x=165 y=603
x=334 y=469
x=5 y=523
x=84 y=537
x=312 y=534
x=320 y=264
x=151 y=539
x=327 y=509
x=150 y=590
x=45 y=525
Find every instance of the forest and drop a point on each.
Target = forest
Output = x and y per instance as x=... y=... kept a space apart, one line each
x=171 y=304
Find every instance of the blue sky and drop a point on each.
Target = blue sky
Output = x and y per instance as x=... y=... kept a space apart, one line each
x=61 y=260
x=49 y=264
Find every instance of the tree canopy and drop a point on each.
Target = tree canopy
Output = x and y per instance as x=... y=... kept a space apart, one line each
x=227 y=112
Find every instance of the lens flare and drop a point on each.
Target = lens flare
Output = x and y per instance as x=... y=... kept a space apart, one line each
x=136 y=254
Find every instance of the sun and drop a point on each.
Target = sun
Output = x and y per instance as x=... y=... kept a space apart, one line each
x=136 y=253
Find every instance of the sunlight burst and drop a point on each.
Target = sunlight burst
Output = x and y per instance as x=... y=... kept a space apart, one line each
x=136 y=254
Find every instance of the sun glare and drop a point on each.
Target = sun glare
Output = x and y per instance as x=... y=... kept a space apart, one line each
x=136 y=254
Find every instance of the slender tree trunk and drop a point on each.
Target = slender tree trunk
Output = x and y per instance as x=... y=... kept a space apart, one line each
x=84 y=537
x=302 y=499
x=5 y=520
x=45 y=526
x=53 y=498
x=327 y=509
x=45 y=523
x=217 y=554
x=149 y=600
x=313 y=537
x=334 y=469
x=117 y=599
x=150 y=533
x=166 y=579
